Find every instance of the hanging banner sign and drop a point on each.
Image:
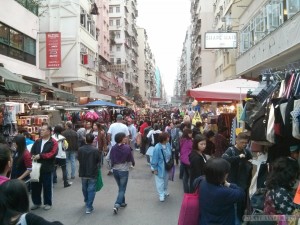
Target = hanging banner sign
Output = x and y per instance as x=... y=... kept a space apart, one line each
x=53 y=50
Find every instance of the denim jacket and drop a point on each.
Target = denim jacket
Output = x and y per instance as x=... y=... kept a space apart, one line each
x=157 y=162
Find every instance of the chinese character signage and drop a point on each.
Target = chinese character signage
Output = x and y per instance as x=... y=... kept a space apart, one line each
x=53 y=50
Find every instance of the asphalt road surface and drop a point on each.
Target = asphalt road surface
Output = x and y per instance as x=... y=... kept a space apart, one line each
x=144 y=207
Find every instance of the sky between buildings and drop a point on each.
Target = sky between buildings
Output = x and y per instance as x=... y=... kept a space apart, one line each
x=166 y=22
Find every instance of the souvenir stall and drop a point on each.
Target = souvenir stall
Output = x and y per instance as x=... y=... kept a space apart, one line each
x=229 y=94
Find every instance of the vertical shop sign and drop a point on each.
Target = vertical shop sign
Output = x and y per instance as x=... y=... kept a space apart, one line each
x=53 y=50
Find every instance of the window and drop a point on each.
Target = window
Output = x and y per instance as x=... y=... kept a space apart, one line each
x=82 y=17
x=110 y=47
x=4 y=34
x=112 y=60
x=118 y=9
x=118 y=34
x=293 y=6
x=16 y=45
x=111 y=22
x=118 y=22
x=16 y=39
x=29 y=45
x=118 y=48
x=31 y=5
x=111 y=9
x=118 y=60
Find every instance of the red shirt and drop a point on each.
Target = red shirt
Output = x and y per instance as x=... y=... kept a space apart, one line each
x=142 y=128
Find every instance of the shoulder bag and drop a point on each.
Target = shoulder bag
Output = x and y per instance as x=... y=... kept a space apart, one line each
x=168 y=165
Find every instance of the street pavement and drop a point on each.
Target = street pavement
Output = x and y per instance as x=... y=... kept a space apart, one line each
x=144 y=207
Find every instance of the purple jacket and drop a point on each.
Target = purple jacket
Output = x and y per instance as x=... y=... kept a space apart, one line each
x=185 y=150
x=121 y=154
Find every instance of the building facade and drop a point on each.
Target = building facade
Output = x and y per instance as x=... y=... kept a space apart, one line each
x=18 y=39
x=269 y=40
x=146 y=67
x=123 y=43
x=76 y=21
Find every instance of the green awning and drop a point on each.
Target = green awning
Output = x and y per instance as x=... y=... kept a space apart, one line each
x=57 y=93
x=13 y=82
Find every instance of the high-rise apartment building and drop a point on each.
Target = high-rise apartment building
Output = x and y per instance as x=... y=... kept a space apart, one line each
x=146 y=66
x=202 y=60
x=123 y=43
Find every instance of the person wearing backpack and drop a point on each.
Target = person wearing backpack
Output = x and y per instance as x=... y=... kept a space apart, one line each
x=61 y=155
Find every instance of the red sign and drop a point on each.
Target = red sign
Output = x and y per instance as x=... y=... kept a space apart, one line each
x=53 y=50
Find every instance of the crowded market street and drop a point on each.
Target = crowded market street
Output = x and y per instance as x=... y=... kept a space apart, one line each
x=143 y=208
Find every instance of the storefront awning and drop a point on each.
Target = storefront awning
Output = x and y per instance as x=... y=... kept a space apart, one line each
x=13 y=82
x=57 y=93
x=223 y=91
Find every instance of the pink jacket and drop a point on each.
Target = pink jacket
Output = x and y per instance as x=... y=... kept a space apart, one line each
x=185 y=150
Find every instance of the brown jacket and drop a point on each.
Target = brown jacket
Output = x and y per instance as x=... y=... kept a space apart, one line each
x=102 y=143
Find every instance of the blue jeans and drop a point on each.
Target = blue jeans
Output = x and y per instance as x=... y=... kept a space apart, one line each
x=71 y=158
x=88 y=191
x=121 y=178
x=45 y=183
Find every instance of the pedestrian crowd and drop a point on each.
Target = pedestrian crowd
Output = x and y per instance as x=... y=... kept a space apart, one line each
x=207 y=165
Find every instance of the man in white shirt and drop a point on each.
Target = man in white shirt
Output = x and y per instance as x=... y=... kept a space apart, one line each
x=115 y=128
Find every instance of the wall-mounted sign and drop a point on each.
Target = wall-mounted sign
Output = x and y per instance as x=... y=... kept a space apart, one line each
x=220 y=40
x=53 y=50
x=116 y=68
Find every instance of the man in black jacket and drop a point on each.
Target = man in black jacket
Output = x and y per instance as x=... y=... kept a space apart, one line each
x=44 y=151
x=241 y=169
x=72 y=139
x=89 y=160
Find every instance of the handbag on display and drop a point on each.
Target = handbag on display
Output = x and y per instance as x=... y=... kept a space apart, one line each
x=296 y=119
x=190 y=209
x=35 y=173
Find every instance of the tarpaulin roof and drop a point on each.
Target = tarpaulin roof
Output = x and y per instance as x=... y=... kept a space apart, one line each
x=228 y=90
x=13 y=82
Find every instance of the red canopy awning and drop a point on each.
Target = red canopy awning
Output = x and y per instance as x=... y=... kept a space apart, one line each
x=228 y=90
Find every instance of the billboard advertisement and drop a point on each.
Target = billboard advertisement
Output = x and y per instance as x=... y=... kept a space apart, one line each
x=216 y=40
x=53 y=50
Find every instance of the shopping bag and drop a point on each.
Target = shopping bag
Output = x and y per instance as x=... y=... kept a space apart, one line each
x=35 y=173
x=99 y=182
x=190 y=209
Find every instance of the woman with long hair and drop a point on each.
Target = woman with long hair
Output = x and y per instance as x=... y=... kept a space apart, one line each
x=22 y=163
x=186 y=143
x=197 y=159
x=61 y=157
x=280 y=182
x=162 y=152
x=14 y=206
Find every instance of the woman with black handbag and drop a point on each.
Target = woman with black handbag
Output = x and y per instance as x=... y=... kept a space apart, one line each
x=160 y=164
